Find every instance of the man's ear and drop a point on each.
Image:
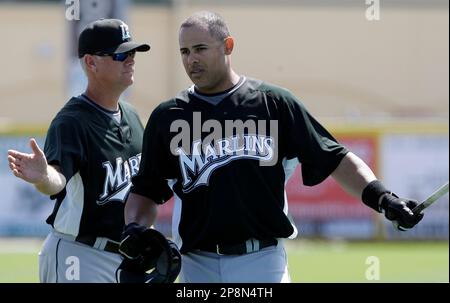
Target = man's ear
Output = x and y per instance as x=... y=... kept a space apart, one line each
x=90 y=63
x=229 y=45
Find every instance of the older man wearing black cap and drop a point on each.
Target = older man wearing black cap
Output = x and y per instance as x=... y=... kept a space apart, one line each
x=92 y=149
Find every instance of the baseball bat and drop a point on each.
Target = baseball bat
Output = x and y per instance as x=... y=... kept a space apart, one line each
x=431 y=199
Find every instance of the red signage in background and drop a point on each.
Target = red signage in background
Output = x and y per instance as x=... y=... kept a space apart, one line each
x=164 y=219
x=165 y=210
x=328 y=200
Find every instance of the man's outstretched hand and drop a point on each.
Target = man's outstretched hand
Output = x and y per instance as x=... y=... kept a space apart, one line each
x=29 y=167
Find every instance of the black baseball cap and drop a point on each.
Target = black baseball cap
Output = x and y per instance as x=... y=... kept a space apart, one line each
x=107 y=36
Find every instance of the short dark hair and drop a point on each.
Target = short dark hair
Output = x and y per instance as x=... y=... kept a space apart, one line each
x=212 y=21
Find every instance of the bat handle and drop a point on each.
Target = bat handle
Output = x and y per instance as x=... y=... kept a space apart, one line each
x=418 y=209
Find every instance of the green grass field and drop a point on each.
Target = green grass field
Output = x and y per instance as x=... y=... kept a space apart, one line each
x=346 y=261
x=309 y=261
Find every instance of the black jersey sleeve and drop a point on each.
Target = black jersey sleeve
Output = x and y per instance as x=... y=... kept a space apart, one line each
x=64 y=145
x=316 y=149
x=151 y=180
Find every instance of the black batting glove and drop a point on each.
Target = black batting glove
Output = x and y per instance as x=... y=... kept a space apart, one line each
x=395 y=209
x=132 y=244
x=399 y=211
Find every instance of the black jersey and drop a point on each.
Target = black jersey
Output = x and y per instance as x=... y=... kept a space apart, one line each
x=98 y=156
x=232 y=188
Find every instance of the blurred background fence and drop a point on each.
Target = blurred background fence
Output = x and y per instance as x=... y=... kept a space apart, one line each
x=380 y=86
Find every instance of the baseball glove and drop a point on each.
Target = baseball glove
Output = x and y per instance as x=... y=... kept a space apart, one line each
x=159 y=261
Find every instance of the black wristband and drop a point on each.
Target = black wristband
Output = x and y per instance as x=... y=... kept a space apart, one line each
x=372 y=194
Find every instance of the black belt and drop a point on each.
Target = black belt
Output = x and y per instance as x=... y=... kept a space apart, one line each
x=100 y=243
x=248 y=246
